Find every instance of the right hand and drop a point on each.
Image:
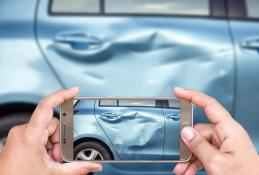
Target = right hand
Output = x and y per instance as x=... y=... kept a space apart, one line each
x=222 y=147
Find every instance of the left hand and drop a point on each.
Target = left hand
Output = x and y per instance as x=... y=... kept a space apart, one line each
x=34 y=148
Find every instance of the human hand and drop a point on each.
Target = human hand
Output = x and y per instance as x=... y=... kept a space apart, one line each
x=34 y=148
x=222 y=147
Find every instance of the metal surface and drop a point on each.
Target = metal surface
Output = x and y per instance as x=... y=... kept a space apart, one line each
x=247 y=79
x=66 y=130
x=200 y=56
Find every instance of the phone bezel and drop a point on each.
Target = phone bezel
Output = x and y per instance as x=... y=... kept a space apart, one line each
x=66 y=128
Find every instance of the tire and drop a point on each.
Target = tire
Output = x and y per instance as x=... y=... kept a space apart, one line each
x=87 y=147
x=9 y=121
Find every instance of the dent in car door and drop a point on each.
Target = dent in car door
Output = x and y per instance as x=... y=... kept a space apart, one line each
x=136 y=132
x=139 y=55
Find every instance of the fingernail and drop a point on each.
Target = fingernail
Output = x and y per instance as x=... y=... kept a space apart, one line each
x=178 y=88
x=74 y=88
x=98 y=167
x=187 y=133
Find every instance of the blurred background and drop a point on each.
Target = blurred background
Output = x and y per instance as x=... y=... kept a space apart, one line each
x=130 y=48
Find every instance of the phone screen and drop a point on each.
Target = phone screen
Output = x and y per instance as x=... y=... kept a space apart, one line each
x=126 y=129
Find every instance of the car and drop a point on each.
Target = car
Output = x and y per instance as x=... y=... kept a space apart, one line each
x=130 y=48
x=126 y=129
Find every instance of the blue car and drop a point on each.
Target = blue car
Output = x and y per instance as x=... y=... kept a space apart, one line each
x=126 y=129
x=130 y=48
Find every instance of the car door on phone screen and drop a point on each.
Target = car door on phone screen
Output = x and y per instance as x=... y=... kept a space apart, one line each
x=134 y=127
x=172 y=129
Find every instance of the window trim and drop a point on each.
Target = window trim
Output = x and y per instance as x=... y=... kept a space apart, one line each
x=238 y=11
x=155 y=106
x=158 y=104
x=165 y=105
x=103 y=14
x=99 y=104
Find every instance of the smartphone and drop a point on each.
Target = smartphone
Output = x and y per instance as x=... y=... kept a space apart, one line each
x=124 y=129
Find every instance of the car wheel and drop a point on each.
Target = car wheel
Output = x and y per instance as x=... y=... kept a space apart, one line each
x=9 y=121
x=91 y=151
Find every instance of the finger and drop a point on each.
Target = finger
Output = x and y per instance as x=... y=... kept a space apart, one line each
x=53 y=126
x=57 y=152
x=49 y=145
x=180 y=168
x=198 y=145
x=215 y=112
x=50 y=153
x=78 y=168
x=51 y=129
x=43 y=113
x=193 y=168
x=55 y=137
x=205 y=130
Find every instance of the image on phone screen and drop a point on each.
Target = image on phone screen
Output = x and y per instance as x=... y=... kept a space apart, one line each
x=125 y=129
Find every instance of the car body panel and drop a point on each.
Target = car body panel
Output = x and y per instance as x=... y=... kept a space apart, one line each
x=172 y=128
x=200 y=50
x=247 y=79
x=30 y=78
x=137 y=133
x=142 y=56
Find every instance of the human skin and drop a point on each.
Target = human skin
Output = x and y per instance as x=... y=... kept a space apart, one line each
x=222 y=147
x=34 y=148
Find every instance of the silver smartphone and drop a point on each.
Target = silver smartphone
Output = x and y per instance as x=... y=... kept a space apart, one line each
x=124 y=129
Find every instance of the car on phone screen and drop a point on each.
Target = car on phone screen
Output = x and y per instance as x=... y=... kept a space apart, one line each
x=130 y=48
x=126 y=129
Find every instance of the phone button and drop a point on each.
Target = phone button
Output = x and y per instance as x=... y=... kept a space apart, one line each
x=64 y=133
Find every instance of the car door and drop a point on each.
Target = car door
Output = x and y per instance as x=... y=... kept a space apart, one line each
x=244 y=23
x=171 y=112
x=134 y=127
x=139 y=48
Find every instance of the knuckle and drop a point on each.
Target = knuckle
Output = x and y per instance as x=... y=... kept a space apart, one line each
x=13 y=131
x=44 y=103
x=211 y=101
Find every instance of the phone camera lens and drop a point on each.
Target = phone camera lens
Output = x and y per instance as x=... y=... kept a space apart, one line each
x=64 y=114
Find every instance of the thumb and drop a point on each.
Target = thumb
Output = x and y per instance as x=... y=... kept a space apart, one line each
x=198 y=145
x=78 y=168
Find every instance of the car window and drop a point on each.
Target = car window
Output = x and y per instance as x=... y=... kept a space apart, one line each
x=174 y=103
x=156 y=7
x=76 y=6
x=140 y=103
x=184 y=7
x=252 y=8
x=110 y=103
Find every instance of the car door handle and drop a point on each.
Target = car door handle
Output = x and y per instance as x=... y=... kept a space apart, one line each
x=109 y=114
x=173 y=117
x=252 y=44
x=110 y=117
x=78 y=43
